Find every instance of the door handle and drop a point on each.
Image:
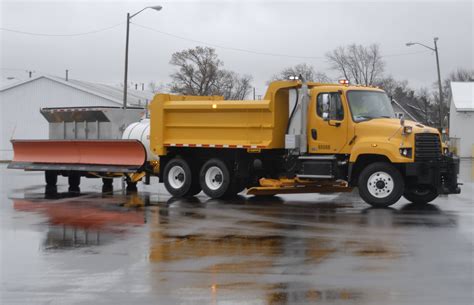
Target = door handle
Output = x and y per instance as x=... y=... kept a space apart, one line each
x=314 y=134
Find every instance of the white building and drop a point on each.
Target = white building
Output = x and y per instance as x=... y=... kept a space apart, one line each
x=20 y=104
x=461 y=118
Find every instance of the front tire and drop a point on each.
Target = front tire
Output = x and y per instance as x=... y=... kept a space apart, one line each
x=380 y=184
x=420 y=194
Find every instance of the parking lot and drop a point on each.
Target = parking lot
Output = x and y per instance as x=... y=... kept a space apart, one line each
x=302 y=249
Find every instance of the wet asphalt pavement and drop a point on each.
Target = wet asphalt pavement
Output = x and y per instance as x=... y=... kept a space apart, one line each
x=301 y=249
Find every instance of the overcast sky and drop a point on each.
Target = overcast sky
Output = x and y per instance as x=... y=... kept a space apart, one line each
x=302 y=31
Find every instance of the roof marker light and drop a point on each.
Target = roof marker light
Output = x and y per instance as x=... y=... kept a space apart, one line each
x=344 y=81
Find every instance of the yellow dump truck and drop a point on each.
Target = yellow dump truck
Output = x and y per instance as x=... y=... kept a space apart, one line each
x=301 y=138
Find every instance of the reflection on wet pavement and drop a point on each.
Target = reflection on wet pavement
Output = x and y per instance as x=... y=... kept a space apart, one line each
x=146 y=248
x=80 y=222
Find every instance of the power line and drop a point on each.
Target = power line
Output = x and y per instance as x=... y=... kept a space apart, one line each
x=225 y=47
x=14 y=69
x=407 y=53
x=252 y=51
x=61 y=35
x=191 y=40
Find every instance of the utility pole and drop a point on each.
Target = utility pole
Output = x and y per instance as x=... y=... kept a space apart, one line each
x=67 y=75
x=441 y=97
x=426 y=113
x=440 y=86
x=125 y=81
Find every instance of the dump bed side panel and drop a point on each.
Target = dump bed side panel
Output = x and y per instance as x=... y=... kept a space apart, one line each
x=211 y=122
x=218 y=122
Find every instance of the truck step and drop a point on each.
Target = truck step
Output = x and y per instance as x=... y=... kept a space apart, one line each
x=318 y=157
x=316 y=176
x=297 y=186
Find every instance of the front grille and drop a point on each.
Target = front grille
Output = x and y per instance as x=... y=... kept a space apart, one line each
x=427 y=147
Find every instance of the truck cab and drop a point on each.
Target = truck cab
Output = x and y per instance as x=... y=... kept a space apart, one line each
x=353 y=135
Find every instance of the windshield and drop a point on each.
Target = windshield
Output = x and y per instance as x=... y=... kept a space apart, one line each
x=367 y=105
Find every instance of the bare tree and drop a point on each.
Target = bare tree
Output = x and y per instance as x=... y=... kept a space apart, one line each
x=418 y=105
x=232 y=86
x=423 y=101
x=156 y=87
x=458 y=75
x=390 y=85
x=462 y=75
x=200 y=73
x=306 y=71
x=357 y=63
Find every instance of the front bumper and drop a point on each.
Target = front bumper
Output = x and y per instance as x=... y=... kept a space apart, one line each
x=442 y=174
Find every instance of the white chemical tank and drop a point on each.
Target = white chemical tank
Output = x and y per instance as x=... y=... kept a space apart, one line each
x=140 y=131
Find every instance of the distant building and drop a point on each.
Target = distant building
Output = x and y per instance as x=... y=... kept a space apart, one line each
x=20 y=104
x=409 y=112
x=461 y=118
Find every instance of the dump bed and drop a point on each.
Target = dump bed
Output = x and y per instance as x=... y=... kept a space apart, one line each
x=196 y=121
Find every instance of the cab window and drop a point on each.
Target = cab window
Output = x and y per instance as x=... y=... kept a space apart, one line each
x=331 y=101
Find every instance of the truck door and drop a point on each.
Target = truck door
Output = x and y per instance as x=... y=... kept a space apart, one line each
x=327 y=122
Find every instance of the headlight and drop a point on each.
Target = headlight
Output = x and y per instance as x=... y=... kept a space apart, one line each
x=406 y=152
x=407 y=129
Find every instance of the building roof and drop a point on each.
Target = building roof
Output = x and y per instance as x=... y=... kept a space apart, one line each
x=463 y=95
x=411 y=112
x=112 y=93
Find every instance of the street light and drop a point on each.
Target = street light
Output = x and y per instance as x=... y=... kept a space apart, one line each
x=129 y=17
x=435 y=49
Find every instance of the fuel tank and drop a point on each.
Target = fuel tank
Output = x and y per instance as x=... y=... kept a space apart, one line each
x=140 y=131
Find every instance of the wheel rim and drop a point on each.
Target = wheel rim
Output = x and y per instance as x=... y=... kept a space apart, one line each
x=380 y=184
x=214 y=178
x=176 y=177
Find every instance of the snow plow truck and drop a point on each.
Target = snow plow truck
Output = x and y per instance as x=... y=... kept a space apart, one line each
x=302 y=137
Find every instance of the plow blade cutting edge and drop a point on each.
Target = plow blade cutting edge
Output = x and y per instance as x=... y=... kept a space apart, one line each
x=78 y=154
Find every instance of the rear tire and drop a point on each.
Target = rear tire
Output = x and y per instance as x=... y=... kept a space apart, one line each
x=380 y=184
x=179 y=179
x=420 y=194
x=215 y=179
